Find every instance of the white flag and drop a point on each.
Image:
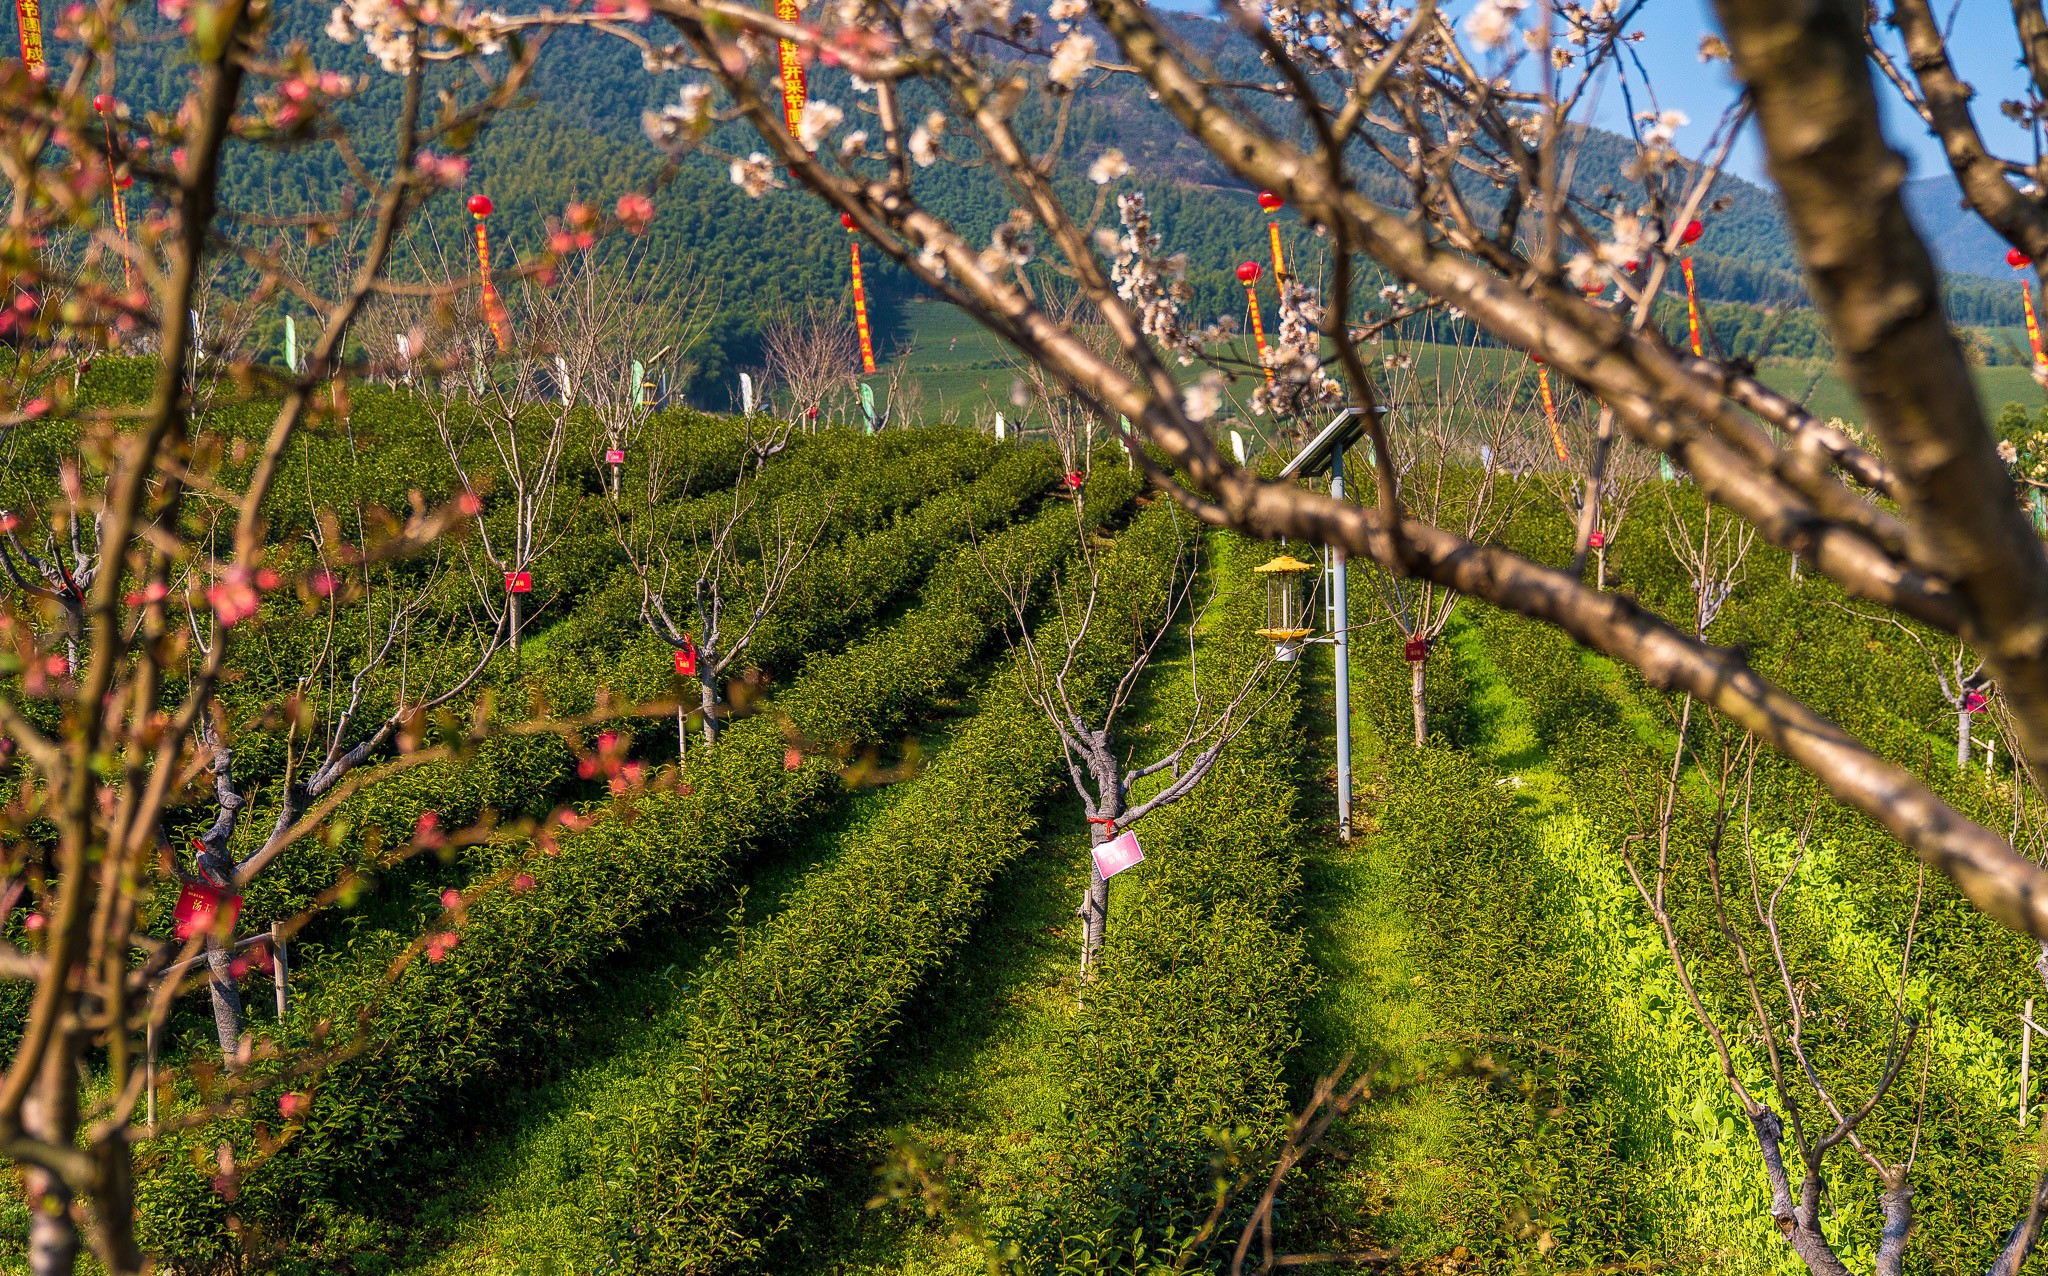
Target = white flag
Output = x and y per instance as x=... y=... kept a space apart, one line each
x=999 y=425
x=746 y=395
x=1237 y=445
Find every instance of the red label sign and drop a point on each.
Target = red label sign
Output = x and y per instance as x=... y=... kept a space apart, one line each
x=1975 y=702
x=518 y=582
x=1076 y=479
x=614 y=456
x=1416 y=649
x=1598 y=540
x=202 y=908
x=686 y=660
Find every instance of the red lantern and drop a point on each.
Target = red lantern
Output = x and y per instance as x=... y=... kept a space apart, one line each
x=518 y=582
x=202 y=908
x=1415 y=649
x=614 y=456
x=103 y=102
x=686 y=659
x=1270 y=202
x=1693 y=230
x=1248 y=273
x=1598 y=540
x=2017 y=258
x=480 y=205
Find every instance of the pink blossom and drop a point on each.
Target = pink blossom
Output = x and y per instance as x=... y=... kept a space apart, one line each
x=635 y=212
x=34 y=921
x=792 y=758
x=522 y=883
x=324 y=583
x=294 y=1105
x=34 y=408
x=427 y=832
x=439 y=944
x=470 y=503
x=233 y=598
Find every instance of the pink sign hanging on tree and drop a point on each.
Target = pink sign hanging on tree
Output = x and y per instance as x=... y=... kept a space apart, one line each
x=1117 y=854
x=201 y=907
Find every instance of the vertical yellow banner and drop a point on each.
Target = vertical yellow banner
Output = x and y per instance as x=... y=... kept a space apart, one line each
x=29 y=14
x=1692 y=304
x=792 y=70
x=1550 y=414
x=860 y=316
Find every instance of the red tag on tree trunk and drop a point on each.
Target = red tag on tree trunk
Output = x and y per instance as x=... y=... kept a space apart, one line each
x=518 y=582
x=1416 y=649
x=614 y=456
x=201 y=908
x=1597 y=540
x=1076 y=479
x=686 y=659
x=1975 y=701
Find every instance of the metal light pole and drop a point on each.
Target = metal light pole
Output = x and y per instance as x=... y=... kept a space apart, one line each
x=1325 y=454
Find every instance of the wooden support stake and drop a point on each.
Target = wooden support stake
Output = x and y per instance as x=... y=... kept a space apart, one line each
x=149 y=1070
x=278 y=972
x=2026 y=1058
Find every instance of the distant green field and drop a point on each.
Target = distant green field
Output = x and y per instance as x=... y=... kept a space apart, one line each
x=966 y=374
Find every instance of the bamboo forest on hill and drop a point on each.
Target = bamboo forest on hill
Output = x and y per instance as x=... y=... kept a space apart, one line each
x=926 y=637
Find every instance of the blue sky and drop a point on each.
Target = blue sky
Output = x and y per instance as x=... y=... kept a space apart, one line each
x=1982 y=43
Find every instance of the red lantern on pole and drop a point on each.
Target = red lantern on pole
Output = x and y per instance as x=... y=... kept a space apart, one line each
x=1248 y=275
x=1272 y=204
x=860 y=299
x=2018 y=260
x=480 y=207
x=1686 y=238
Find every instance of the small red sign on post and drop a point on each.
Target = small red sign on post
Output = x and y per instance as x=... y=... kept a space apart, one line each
x=615 y=456
x=686 y=659
x=201 y=908
x=1598 y=540
x=1416 y=649
x=1076 y=480
x=1975 y=701
x=518 y=582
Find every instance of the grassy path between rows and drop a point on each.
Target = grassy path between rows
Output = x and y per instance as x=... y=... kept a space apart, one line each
x=1588 y=1163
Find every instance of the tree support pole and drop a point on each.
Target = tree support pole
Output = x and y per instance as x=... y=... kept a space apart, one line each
x=1340 y=629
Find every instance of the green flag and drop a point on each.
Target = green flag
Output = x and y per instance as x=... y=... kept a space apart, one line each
x=867 y=405
x=291 y=344
x=639 y=385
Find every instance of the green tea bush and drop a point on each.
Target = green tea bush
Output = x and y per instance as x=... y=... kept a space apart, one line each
x=443 y=1028
x=719 y=1159
x=1184 y=1035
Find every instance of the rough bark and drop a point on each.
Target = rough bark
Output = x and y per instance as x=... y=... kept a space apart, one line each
x=1094 y=910
x=50 y=1116
x=1962 y=739
x=707 y=698
x=227 y=996
x=1415 y=676
x=1805 y=66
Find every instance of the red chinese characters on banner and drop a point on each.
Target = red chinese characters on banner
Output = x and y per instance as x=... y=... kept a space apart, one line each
x=518 y=582
x=202 y=908
x=480 y=207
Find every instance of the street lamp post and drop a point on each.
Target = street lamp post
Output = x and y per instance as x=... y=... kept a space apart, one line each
x=1325 y=454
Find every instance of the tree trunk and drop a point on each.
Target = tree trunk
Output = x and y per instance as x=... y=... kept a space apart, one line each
x=707 y=687
x=512 y=601
x=50 y=1116
x=1962 y=738
x=682 y=734
x=1421 y=711
x=1600 y=557
x=1094 y=910
x=227 y=998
